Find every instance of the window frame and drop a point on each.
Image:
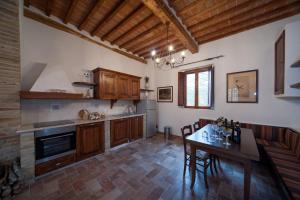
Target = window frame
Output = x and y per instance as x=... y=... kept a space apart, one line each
x=211 y=85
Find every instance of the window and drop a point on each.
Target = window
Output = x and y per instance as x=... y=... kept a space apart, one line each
x=196 y=88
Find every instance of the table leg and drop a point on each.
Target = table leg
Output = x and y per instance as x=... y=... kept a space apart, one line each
x=247 y=179
x=193 y=164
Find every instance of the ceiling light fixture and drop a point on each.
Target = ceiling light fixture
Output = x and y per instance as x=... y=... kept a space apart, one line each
x=168 y=60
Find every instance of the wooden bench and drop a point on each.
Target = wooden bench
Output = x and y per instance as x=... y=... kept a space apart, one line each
x=280 y=148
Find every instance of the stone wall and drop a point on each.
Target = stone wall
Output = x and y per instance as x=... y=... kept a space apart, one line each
x=9 y=79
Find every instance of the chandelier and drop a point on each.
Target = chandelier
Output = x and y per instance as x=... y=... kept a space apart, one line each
x=168 y=60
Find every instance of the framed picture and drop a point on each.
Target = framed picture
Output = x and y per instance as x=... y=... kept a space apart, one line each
x=242 y=87
x=165 y=94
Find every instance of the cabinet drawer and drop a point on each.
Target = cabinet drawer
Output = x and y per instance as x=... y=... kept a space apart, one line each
x=54 y=164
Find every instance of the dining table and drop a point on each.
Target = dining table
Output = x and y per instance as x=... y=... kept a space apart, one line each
x=244 y=152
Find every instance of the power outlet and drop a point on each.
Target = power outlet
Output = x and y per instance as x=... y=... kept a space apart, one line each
x=55 y=106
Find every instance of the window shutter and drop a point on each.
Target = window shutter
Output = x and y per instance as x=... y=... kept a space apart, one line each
x=181 y=88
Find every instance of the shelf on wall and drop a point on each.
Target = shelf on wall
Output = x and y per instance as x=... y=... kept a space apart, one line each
x=50 y=95
x=146 y=90
x=296 y=64
x=296 y=85
x=84 y=84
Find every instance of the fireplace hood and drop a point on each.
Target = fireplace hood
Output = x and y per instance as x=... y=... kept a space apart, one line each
x=52 y=78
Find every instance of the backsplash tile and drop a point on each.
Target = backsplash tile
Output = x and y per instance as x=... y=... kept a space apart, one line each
x=42 y=110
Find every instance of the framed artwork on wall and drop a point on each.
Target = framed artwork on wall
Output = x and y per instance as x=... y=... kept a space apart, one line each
x=165 y=94
x=242 y=87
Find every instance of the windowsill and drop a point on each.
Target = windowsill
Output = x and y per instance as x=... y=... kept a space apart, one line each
x=200 y=107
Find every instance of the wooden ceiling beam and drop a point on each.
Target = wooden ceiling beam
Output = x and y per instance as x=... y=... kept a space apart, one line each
x=70 y=11
x=203 y=15
x=49 y=8
x=126 y=20
x=255 y=21
x=262 y=11
x=164 y=43
x=49 y=22
x=144 y=46
x=160 y=48
x=27 y=3
x=92 y=12
x=165 y=14
x=247 y=7
x=134 y=30
x=107 y=18
x=141 y=38
x=164 y=53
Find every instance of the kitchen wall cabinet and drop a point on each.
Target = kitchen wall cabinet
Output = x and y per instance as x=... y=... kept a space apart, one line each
x=90 y=140
x=135 y=88
x=279 y=64
x=116 y=85
x=119 y=131
x=287 y=48
x=106 y=84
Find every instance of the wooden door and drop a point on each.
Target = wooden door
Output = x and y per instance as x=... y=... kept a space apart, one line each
x=135 y=89
x=279 y=64
x=108 y=85
x=90 y=140
x=119 y=132
x=123 y=87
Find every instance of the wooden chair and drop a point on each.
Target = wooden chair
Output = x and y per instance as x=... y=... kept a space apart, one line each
x=214 y=158
x=202 y=158
x=196 y=126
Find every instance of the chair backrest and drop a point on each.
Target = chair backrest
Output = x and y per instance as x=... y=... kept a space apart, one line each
x=186 y=131
x=196 y=126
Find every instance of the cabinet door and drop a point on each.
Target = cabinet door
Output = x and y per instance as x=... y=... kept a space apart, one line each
x=279 y=64
x=108 y=85
x=90 y=140
x=140 y=126
x=119 y=132
x=135 y=89
x=136 y=127
x=123 y=87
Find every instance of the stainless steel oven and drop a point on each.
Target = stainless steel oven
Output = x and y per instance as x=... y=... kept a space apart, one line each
x=51 y=143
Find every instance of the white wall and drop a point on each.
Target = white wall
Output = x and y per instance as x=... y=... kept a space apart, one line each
x=43 y=46
x=253 y=49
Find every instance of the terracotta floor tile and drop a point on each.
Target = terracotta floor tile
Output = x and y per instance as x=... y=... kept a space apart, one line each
x=147 y=169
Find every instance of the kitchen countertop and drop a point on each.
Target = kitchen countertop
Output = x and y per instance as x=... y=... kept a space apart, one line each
x=30 y=127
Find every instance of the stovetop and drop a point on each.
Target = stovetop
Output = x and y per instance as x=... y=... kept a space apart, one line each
x=52 y=123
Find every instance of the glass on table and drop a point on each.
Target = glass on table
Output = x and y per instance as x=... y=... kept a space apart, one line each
x=226 y=134
x=219 y=131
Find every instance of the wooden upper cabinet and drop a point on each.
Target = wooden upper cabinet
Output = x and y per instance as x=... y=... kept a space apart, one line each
x=279 y=64
x=90 y=140
x=116 y=85
x=123 y=87
x=106 y=87
x=135 y=88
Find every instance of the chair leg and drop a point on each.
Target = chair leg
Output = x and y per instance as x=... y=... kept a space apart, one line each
x=205 y=173
x=185 y=163
x=219 y=163
x=211 y=158
x=215 y=164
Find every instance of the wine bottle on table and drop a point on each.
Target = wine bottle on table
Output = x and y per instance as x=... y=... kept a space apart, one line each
x=232 y=130
x=238 y=132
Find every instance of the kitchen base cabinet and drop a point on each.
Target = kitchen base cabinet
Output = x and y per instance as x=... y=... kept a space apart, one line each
x=119 y=131
x=90 y=140
x=136 y=128
x=51 y=165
